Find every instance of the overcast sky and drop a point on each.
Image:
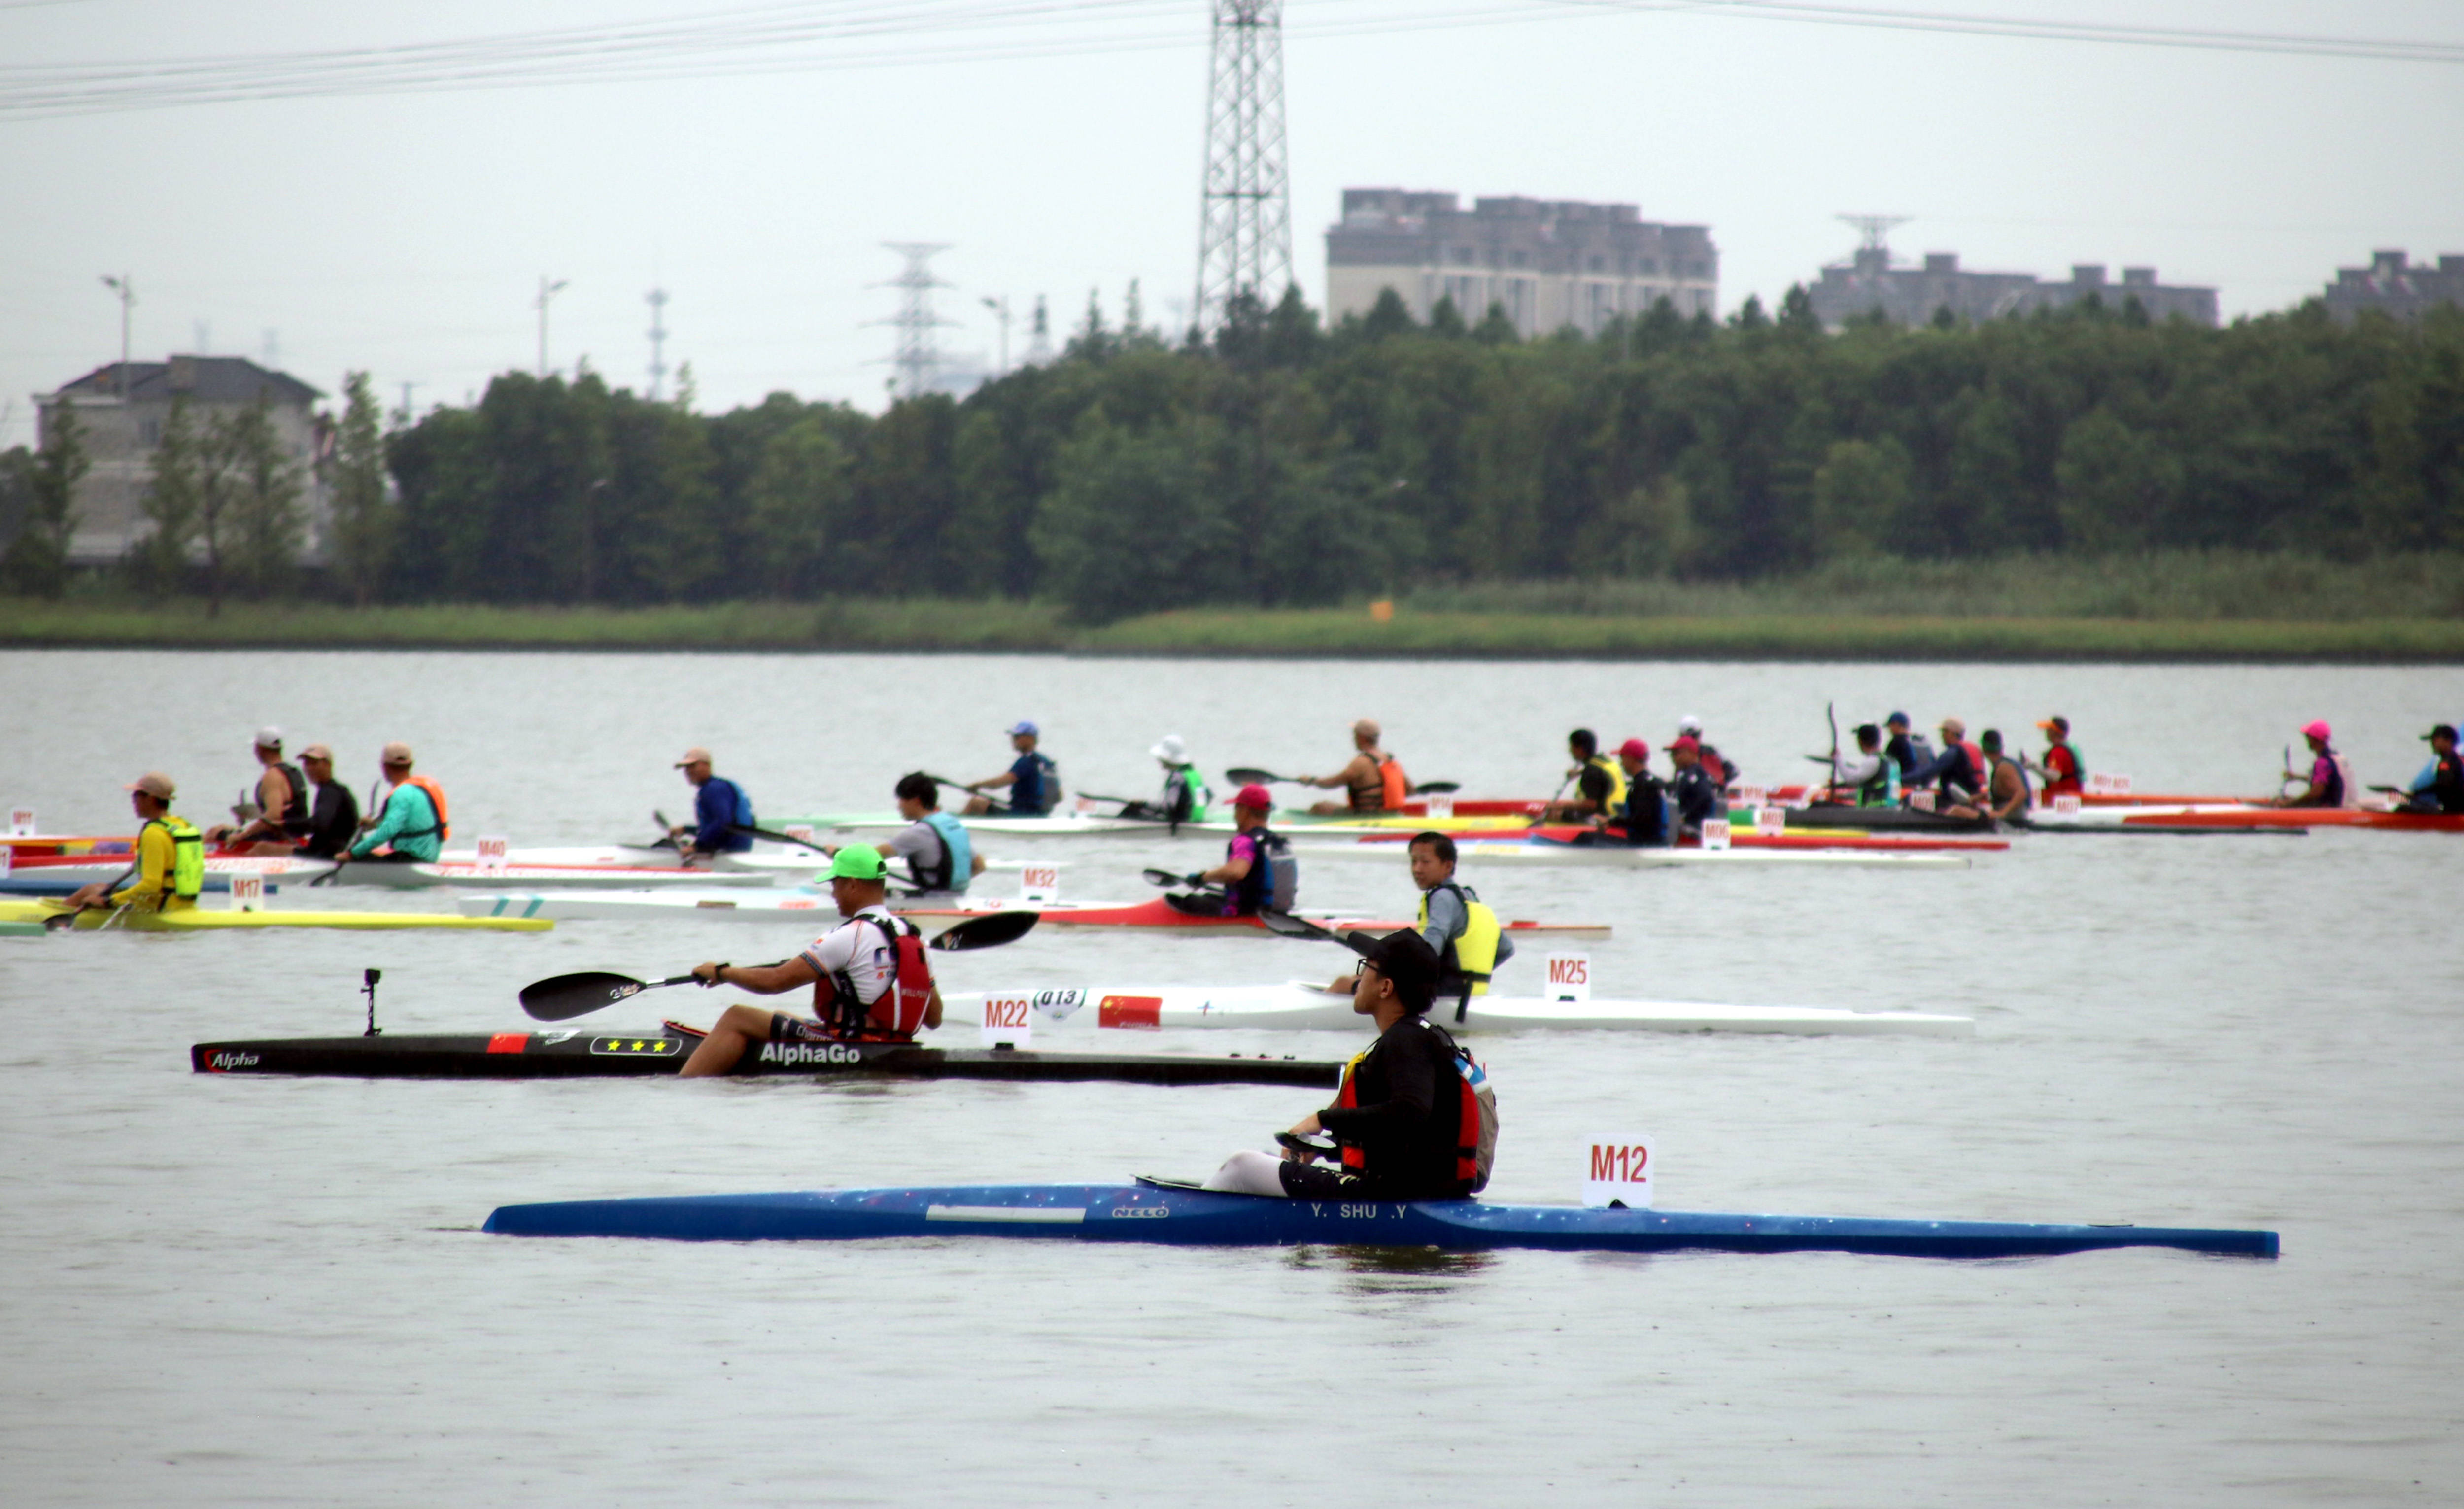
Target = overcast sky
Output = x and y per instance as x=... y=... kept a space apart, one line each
x=405 y=233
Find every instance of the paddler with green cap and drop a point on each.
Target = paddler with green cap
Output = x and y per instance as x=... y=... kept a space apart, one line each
x=868 y=976
x=171 y=868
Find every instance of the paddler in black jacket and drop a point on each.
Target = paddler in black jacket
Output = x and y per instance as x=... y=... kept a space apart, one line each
x=1401 y=1114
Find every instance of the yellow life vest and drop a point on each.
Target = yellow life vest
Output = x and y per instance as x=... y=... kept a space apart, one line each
x=187 y=877
x=1473 y=955
x=1615 y=803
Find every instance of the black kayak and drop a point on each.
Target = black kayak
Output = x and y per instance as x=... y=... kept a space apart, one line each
x=569 y=1055
x=1908 y=819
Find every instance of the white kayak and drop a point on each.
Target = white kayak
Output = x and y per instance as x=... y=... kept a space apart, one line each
x=464 y=874
x=739 y=904
x=1626 y=856
x=1298 y=1005
x=1152 y=915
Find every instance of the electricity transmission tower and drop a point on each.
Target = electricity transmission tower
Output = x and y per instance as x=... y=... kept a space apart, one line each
x=918 y=354
x=1244 y=229
x=1872 y=229
x=657 y=299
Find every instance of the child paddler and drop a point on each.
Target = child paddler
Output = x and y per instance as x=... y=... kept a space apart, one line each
x=1454 y=922
x=869 y=979
x=1409 y=1117
x=171 y=867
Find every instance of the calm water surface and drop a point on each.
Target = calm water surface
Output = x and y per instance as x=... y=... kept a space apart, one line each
x=274 y=1292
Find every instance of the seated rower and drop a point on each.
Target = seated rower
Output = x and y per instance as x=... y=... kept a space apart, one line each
x=1692 y=789
x=1407 y=1118
x=1600 y=786
x=1185 y=793
x=334 y=814
x=2007 y=796
x=2440 y=785
x=1454 y=922
x=1257 y=873
x=1956 y=773
x=1032 y=779
x=1373 y=781
x=275 y=810
x=939 y=855
x=1871 y=775
x=723 y=821
x=1722 y=771
x=2063 y=772
x=2330 y=781
x=1641 y=820
x=171 y=867
x=409 y=827
x=870 y=977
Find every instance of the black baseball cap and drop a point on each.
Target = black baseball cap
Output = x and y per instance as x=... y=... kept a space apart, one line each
x=2447 y=729
x=1408 y=962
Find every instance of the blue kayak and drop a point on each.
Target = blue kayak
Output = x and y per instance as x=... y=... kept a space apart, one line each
x=34 y=883
x=1153 y=1211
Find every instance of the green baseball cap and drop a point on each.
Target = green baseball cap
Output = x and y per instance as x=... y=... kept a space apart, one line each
x=859 y=862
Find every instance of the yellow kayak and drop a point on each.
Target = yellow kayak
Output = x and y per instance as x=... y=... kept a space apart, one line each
x=198 y=919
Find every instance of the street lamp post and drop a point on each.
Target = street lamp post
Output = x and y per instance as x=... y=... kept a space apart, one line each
x=125 y=287
x=547 y=290
x=1001 y=311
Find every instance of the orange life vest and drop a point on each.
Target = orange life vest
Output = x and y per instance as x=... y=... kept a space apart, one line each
x=436 y=796
x=1393 y=786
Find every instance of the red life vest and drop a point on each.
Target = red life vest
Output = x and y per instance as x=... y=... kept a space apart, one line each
x=898 y=1013
x=1468 y=1173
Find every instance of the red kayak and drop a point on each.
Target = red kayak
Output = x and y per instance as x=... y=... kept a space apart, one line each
x=1159 y=916
x=2300 y=818
x=1742 y=836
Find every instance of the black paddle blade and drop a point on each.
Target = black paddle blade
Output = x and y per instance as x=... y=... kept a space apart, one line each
x=1436 y=788
x=569 y=995
x=988 y=931
x=1247 y=777
x=1155 y=877
x=1282 y=924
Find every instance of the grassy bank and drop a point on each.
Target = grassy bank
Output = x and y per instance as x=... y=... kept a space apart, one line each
x=1741 y=627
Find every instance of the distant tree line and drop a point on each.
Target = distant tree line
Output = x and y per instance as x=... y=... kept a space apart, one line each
x=1281 y=462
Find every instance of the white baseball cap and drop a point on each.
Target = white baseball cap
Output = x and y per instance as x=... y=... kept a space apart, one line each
x=269 y=737
x=1692 y=723
x=1172 y=751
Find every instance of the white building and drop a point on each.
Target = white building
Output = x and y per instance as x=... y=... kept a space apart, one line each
x=121 y=411
x=1547 y=263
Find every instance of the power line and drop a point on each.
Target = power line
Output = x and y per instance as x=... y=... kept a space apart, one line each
x=813 y=35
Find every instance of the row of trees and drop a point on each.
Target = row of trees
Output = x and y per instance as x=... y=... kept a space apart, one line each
x=1283 y=463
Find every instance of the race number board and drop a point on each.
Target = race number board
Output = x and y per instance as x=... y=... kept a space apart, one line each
x=1715 y=833
x=21 y=822
x=1570 y=978
x=491 y=855
x=1039 y=882
x=1441 y=806
x=1618 y=1169
x=247 y=893
x=1771 y=821
x=1008 y=1020
x=2067 y=805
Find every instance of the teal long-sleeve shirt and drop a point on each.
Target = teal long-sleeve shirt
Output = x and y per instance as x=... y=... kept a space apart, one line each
x=409 y=824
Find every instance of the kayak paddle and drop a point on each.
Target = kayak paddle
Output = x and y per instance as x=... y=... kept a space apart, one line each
x=568 y=995
x=1283 y=924
x=1247 y=776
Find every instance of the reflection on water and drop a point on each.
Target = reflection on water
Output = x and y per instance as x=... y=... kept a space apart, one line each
x=1393 y=1270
